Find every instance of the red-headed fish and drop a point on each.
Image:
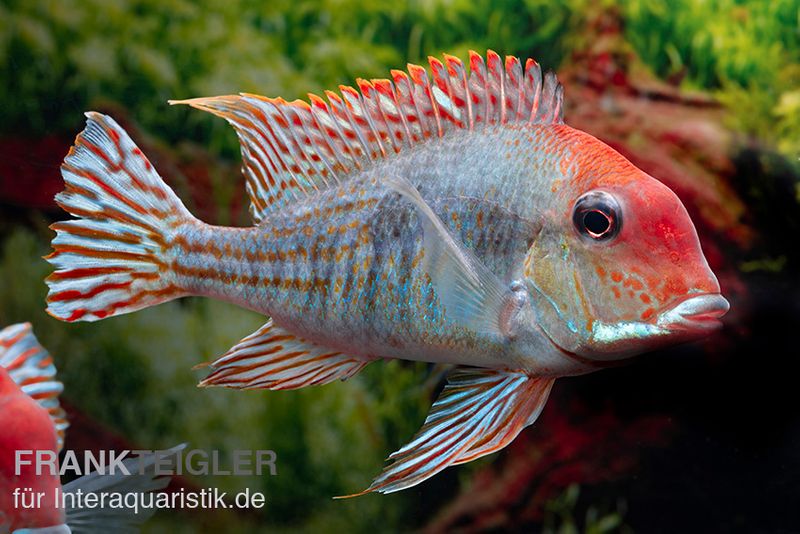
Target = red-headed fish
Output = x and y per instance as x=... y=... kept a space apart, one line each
x=454 y=220
x=31 y=419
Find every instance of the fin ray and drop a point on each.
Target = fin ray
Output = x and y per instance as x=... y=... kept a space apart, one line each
x=291 y=148
x=272 y=358
x=111 y=260
x=472 y=295
x=480 y=411
x=144 y=477
x=31 y=367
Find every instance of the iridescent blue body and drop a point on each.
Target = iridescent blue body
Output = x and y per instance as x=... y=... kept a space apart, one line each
x=452 y=220
x=342 y=266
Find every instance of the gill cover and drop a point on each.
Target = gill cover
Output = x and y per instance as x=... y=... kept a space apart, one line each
x=616 y=256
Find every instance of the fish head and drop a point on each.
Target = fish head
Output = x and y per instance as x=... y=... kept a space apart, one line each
x=617 y=268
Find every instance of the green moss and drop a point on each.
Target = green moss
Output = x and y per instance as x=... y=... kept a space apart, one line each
x=60 y=58
x=746 y=51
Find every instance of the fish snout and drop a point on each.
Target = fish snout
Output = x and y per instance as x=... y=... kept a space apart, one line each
x=698 y=314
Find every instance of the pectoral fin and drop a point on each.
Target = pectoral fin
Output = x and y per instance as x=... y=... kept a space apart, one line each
x=479 y=412
x=145 y=476
x=272 y=358
x=472 y=295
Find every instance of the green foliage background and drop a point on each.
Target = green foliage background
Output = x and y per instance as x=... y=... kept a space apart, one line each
x=59 y=58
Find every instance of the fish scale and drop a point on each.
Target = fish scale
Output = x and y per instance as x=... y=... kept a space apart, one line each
x=453 y=219
x=343 y=260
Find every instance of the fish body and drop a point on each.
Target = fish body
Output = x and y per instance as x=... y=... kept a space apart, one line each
x=343 y=266
x=458 y=221
x=32 y=419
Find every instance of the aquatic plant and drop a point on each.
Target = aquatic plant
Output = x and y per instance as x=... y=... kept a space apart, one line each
x=747 y=52
x=59 y=58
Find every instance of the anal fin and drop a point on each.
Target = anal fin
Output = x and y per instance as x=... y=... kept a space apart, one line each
x=272 y=358
x=480 y=411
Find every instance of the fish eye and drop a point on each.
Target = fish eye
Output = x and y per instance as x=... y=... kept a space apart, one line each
x=597 y=215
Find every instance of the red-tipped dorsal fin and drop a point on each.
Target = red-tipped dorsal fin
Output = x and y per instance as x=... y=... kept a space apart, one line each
x=31 y=367
x=292 y=148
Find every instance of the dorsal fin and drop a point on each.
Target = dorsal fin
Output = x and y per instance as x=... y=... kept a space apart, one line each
x=291 y=148
x=31 y=367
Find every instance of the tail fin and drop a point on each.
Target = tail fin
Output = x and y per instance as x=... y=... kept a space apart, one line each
x=31 y=367
x=112 y=259
x=145 y=477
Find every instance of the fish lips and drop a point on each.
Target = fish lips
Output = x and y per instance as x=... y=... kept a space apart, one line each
x=695 y=315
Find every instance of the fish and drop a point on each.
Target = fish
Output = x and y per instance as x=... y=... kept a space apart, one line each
x=32 y=419
x=451 y=218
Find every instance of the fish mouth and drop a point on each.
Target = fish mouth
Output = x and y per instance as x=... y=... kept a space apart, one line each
x=696 y=314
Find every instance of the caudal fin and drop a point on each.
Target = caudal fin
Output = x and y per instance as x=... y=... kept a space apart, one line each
x=113 y=258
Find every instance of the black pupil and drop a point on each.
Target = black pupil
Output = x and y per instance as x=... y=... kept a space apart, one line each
x=597 y=215
x=596 y=222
